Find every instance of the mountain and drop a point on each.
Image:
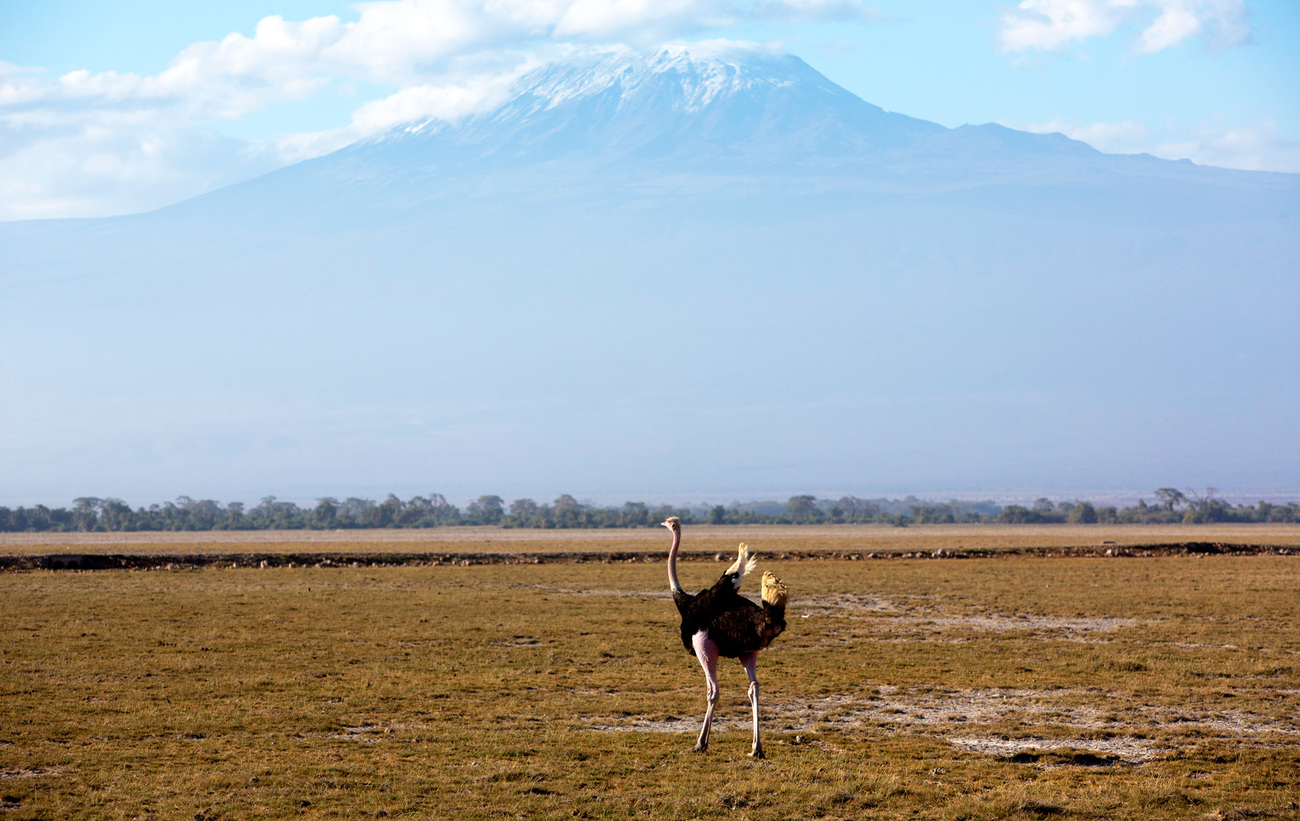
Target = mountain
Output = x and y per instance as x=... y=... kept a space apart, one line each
x=744 y=112
x=670 y=106
x=670 y=274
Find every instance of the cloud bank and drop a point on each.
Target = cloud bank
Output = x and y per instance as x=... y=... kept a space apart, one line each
x=1258 y=147
x=90 y=144
x=1049 y=25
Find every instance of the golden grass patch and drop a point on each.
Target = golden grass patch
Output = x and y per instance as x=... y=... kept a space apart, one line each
x=1016 y=688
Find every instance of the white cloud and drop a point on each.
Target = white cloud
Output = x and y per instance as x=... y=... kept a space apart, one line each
x=1175 y=24
x=90 y=144
x=1051 y=24
x=1048 y=25
x=118 y=163
x=1251 y=147
x=449 y=101
x=1257 y=147
x=1125 y=137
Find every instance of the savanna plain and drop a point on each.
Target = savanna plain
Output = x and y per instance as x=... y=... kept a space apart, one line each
x=1011 y=686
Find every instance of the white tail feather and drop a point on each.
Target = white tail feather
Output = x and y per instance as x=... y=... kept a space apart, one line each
x=744 y=564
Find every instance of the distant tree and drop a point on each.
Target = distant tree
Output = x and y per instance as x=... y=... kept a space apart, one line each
x=85 y=512
x=662 y=513
x=488 y=510
x=326 y=513
x=205 y=514
x=418 y=512
x=1203 y=508
x=523 y=507
x=443 y=512
x=356 y=512
x=568 y=511
x=802 y=509
x=718 y=515
x=276 y=515
x=1170 y=497
x=934 y=514
x=1281 y=513
x=858 y=510
x=1083 y=513
x=389 y=511
x=567 y=504
x=1018 y=515
x=116 y=514
x=524 y=513
x=635 y=514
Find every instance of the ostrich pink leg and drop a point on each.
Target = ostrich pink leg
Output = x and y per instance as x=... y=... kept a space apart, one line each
x=750 y=663
x=707 y=652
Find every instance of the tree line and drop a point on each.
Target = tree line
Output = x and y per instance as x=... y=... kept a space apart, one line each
x=1172 y=507
x=90 y=513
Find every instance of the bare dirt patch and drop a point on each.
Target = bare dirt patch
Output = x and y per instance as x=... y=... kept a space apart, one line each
x=926 y=612
x=1069 y=628
x=373 y=733
x=1104 y=751
x=1129 y=737
x=13 y=775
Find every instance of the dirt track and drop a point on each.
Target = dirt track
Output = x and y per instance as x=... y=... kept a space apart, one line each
x=175 y=560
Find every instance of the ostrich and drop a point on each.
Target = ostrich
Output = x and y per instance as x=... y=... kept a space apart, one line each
x=720 y=622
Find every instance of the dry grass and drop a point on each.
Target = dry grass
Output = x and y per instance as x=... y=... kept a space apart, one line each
x=1018 y=688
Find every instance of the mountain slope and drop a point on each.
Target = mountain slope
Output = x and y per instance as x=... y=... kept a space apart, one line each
x=665 y=274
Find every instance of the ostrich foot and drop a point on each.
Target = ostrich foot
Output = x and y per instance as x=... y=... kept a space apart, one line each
x=700 y=748
x=757 y=752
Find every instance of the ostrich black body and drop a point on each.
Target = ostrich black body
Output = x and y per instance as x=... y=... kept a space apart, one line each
x=737 y=625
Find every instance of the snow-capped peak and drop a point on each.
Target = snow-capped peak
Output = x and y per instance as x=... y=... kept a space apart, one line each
x=699 y=74
x=698 y=102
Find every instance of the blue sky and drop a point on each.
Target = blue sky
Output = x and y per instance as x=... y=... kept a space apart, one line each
x=123 y=107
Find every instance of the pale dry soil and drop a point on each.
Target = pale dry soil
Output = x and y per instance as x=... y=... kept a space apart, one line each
x=1011 y=688
x=862 y=539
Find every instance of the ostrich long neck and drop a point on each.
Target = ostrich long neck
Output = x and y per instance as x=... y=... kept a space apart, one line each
x=673 y=584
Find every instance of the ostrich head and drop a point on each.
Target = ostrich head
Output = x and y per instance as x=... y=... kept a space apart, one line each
x=672 y=523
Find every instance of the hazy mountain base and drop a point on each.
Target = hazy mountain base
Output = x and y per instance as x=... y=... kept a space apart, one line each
x=785 y=288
